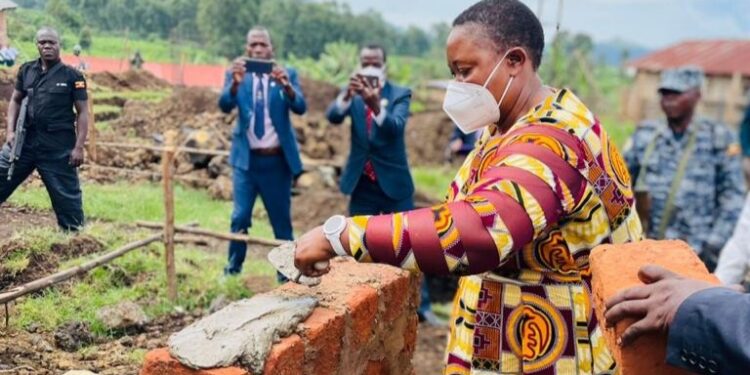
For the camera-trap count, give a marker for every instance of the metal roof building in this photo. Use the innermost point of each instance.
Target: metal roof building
(727, 67)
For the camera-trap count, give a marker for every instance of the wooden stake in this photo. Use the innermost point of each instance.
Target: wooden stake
(92, 131)
(212, 234)
(167, 159)
(77, 270)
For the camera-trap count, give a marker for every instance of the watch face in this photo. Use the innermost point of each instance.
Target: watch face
(333, 224)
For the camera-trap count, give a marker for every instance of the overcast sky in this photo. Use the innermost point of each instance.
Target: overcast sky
(650, 23)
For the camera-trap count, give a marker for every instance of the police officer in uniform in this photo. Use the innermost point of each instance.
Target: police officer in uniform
(55, 133)
(688, 169)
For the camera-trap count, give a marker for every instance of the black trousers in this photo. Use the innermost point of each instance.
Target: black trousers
(58, 176)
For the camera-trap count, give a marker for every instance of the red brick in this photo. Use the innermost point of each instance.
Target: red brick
(615, 268)
(362, 303)
(159, 362)
(410, 334)
(376, 368)
(395, 290)
(287, 357)
(322, 333)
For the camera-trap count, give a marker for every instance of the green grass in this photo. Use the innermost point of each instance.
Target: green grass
(433, 181)
(117, 47)
(126, 202)
(198, 284)
(106, 108)
(137, 276)
(145, 95)
(619, 130)
(137, 356)
(29, 242)
(103, 126)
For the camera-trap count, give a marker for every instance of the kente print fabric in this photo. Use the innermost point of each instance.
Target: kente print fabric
(521, 217)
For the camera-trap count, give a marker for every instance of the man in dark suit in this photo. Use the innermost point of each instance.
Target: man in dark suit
(708, 326)
(264, 156)
(377, 173)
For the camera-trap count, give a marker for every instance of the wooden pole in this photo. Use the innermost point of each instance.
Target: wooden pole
(308, 162)
(153, 175)
(69, 273)
(212, 234)
(167, 159)
(189, 150)
(92, 131)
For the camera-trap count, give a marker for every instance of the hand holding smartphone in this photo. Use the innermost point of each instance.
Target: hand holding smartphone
(372, 81)
(258, 66)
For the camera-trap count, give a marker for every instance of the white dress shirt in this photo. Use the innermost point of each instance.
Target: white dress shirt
(734, 261)
(270, 138)
(343, 106)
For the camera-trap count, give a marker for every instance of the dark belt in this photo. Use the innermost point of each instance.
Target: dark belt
(270, 151)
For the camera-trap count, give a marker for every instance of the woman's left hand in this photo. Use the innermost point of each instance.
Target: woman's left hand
(312, 248)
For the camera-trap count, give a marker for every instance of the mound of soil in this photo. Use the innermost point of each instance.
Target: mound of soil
(44, 263)
(427, 135)
(32, 352)
(131, 80)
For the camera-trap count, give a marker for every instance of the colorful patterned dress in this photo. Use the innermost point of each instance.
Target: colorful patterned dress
(521, 217)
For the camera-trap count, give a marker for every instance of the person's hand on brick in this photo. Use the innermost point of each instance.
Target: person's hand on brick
(312, 249)
(654, 305)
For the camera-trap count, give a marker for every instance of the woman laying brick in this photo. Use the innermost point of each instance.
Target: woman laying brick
(543, 187)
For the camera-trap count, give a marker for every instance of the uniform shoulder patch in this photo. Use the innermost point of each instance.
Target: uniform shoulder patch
(80, 84)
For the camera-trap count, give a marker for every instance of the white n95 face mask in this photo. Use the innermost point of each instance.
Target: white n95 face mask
(472, 107)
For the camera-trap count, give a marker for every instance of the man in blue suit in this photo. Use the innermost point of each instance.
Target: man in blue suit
(708, 326)
(377, 173)
(264, 156)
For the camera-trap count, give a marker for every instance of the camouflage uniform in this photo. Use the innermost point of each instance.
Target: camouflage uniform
(710, 196)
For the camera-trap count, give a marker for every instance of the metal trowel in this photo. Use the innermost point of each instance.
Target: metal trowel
(282, 258)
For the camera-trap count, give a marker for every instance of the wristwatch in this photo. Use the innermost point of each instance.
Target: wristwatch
(332, 230)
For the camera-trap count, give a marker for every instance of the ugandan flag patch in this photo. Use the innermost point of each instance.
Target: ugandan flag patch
(80, 84)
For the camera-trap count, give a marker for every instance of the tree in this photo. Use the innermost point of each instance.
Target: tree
(414, 42)
(85, 38)
(61, 11)
(224, 24)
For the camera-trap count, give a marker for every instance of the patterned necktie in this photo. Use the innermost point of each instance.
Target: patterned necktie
(369, 168)
(260, 110)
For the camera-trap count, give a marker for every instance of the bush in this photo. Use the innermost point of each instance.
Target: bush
(85, 39)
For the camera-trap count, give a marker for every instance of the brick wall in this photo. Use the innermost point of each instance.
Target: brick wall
(365, 324)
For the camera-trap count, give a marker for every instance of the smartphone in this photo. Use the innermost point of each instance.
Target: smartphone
(258, 66)
(372, 81)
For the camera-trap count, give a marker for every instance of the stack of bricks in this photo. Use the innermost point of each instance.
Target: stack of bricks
(615, 268)
(365, 323)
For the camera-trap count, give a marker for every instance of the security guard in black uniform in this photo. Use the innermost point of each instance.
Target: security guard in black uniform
(55, 134)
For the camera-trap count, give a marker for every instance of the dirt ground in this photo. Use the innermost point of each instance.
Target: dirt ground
(431, 342)
(16, 218)
(129, 80)
(194, 114)
(32, 351)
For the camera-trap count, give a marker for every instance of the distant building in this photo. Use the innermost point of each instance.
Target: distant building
(727, 67)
